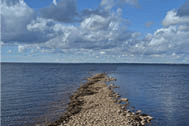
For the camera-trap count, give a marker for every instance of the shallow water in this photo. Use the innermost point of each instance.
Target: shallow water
(33, 93)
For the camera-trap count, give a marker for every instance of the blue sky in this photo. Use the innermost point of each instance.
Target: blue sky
(126, 31)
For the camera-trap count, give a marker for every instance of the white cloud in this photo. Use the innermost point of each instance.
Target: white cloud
(95, 22)
(45, 27)
(102, 32)
(94, 32)
(99, 35)
(54, 2)
(20, 48)
(107, 4)
(172, 18)
(136, 34)
(102, 52)
(40, 24)
(14, 18)
(1, 43)
(94, 27)
(131, 2)
(160, 35)
(63, 11)
(156, 55)
(170, 41)
(184, 28)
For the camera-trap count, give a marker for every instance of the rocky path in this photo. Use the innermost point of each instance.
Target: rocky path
(97, 104)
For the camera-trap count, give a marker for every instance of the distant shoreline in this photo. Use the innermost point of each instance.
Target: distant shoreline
(96, 103)
(94, 63)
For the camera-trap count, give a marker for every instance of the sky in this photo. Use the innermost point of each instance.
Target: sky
(95, 31)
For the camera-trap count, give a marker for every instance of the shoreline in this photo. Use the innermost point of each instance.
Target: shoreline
(96, 103)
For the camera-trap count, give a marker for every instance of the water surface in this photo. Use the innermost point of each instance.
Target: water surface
(34, 93)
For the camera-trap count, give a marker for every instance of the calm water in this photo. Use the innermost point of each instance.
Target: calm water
(32, 93)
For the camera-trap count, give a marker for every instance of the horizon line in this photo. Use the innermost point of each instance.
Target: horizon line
(98, 63)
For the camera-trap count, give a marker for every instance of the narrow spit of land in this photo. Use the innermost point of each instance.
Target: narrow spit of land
(97, 104)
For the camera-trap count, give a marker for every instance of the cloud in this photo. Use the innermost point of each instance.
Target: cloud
(10, 2)
(173, 39)
(183, 10)
(95, 23)
(172, 18)
(20, 24)
(63, 11)
(54, 2)
(100, 32)
(131, 2)
(168, 41)
(95, 32)
(21, 48)
(88, 12)
(44, 27)
(1, 43)
(177, 17)
(109, 4)
(106, 7)
(183, 28)
(15, 16)
(149, 24)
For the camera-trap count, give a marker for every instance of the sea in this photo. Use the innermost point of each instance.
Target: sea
(32, 93)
